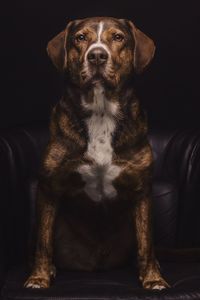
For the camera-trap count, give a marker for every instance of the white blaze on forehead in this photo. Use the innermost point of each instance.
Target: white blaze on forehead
(100, 30)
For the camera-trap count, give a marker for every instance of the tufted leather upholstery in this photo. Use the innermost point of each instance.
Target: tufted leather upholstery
(176, 209)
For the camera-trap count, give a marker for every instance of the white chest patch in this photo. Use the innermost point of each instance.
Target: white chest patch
(101, 126)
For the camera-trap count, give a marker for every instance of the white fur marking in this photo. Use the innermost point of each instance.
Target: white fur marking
(158, 287)
(33, 286)
(100, 30)
(101, 125)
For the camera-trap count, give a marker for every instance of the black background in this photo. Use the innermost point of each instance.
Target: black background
(169, 89)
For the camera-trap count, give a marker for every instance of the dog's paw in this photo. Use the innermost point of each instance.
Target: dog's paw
(156, 285)
(37, 282)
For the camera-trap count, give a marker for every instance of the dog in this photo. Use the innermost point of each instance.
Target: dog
(94, 192)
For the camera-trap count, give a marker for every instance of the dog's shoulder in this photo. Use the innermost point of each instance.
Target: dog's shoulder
(132, 130)
(67, 137)
(66, 124)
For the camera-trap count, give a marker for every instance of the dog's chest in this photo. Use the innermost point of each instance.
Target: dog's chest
(101, 126)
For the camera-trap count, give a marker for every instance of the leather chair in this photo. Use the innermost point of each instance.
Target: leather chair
(176, 220)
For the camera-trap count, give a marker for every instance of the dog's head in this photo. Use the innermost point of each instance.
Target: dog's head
(101, 49)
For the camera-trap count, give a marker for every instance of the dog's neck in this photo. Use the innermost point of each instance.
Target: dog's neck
(99, 98)
(99, 102)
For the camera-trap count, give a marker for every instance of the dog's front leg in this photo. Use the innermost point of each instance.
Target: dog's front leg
(148, 266)
(42, 268)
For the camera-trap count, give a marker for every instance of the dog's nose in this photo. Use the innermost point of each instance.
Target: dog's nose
(97, 56)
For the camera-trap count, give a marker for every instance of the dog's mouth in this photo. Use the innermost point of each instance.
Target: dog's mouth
(94, 78)
(103, 75)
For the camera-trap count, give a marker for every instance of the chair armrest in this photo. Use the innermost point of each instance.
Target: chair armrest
(20, 154)
(177, 155)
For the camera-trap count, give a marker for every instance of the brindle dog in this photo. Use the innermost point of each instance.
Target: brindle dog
(94, 189)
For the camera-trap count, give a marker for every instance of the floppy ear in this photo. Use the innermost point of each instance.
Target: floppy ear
(56, 49)
(144, 49)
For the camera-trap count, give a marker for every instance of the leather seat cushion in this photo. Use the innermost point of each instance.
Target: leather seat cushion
(115, 284)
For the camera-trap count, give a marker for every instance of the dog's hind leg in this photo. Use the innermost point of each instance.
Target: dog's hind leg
(148, 266)
(42, 269)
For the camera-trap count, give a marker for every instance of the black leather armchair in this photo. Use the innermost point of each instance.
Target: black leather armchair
(176, 210)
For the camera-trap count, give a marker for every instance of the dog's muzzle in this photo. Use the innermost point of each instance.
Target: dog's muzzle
(97, 56)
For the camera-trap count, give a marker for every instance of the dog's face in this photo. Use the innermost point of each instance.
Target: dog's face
(101, 49)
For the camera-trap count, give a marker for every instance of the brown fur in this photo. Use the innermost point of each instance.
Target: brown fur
(73, 231)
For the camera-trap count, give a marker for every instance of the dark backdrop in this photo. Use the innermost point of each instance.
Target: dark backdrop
(169, 90)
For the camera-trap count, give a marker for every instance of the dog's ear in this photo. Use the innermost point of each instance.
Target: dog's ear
(144, 49)
(56, 49)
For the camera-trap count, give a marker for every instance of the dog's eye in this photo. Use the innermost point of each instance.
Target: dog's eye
(80, 38)
(118, 37)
